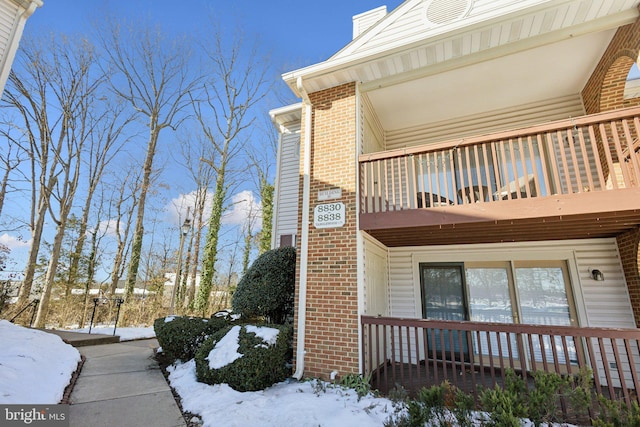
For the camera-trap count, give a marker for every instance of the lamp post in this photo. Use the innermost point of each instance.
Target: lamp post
(184, 230)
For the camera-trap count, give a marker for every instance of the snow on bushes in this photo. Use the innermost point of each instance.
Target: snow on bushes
(246, 357)
(181, 336)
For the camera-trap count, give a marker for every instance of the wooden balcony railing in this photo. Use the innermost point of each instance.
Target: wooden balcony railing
(416, 353)
(589, 153)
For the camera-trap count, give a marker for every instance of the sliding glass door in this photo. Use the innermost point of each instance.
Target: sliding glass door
(528, 292)
(444, 298)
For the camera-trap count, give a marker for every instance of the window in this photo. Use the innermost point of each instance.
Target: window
(528, 292)
(287, 240)
(632, 83)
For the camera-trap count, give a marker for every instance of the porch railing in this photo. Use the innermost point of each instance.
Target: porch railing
(415, 353)
(589, 153)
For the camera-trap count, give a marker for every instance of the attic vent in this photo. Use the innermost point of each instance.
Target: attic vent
(443, 11)
(366, 20)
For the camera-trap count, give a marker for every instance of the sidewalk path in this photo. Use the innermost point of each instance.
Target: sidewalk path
(121, 385)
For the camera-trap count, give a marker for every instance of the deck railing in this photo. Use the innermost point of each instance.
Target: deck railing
(590, 153)
(416, 353)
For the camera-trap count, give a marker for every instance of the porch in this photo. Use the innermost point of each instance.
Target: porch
(416, 353)
(574, 178)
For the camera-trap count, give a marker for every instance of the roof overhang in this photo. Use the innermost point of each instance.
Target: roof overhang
(554, 43)
(283, 117)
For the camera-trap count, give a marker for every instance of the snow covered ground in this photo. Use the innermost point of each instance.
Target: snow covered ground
(125, 334)
(35, 367)
(285, 404)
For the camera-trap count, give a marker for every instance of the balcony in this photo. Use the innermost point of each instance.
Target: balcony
(416, 353)
(577, 178)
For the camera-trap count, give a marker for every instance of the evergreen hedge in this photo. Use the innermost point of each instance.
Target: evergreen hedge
(267, 288)
(259, 364)
(181, 336)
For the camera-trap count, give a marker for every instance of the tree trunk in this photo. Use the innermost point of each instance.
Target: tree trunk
(211, 246)
(266, 196)
(138, 234)
(52, 267)
(91, 269)
(3, 187)
(200, 204)
(32, 259)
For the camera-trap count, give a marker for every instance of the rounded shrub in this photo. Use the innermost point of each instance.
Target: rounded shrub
(267, 288)
(246, 357)
(181, 336)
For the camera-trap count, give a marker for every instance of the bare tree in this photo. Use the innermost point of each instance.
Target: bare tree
(249, 237)
(10, 158)
(237, 84)
(155, 81)
(51, 90)
(75, 85)
(262, 159)
(97, 232)
(122, 207)
(195, 148)
(105, 142)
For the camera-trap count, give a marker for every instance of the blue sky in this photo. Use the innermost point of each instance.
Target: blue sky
(298, 33)
(295, 33)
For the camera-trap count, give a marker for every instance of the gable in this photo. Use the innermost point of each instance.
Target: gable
(417, 20)
(427, 37)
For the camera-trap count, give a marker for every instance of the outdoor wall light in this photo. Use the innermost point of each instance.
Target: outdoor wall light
(596, 274)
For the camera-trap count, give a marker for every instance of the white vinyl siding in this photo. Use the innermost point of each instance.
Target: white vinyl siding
(373, 134)
(286, 215)
(606, 304)
(411, 23)
(8, 17)
(493, 121)
(376, 278)
(599, 304)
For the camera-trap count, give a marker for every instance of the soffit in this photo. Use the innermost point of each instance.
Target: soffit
(398, 49)
(285, 116)
(535, 75)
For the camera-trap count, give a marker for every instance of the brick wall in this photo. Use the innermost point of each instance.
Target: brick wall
(331, 333)
(604, 89)
(603, 92)
(628, 247)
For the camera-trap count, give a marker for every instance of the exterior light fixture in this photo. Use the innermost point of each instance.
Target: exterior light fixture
(596, 274)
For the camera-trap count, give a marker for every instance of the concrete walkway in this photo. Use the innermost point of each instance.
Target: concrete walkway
(121, 385)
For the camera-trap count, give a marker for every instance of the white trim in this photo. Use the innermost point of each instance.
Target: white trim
(578, 295)
(304, 244)
(342, 62)
(17, 28)
(359, 237)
